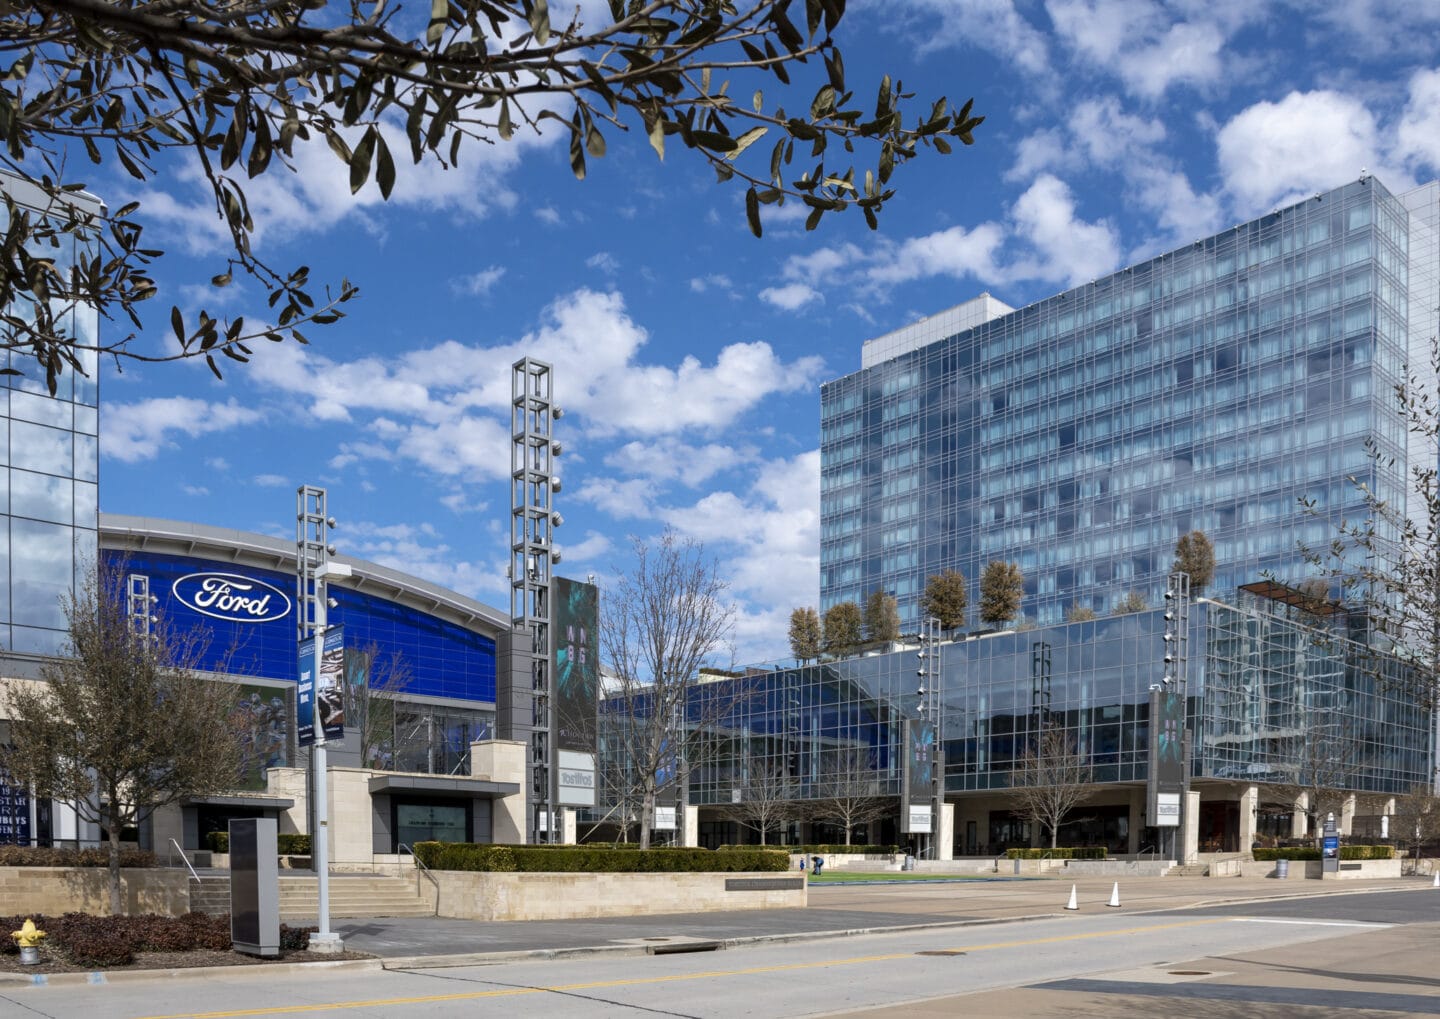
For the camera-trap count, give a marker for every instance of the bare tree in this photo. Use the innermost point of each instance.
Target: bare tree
(849, 791)
(373, 681)
(660, 622)
(1322, 762)
(946, 598)
(768, 800)
(1416, 822)
(1051, 778)
(1385, 564)
(121, 724)
(805, 634)
(242, 87)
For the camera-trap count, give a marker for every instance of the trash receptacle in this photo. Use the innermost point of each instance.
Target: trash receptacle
(909, 863)
(1282, 868)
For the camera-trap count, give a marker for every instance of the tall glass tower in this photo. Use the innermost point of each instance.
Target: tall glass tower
(49, 468)
(1210, 388)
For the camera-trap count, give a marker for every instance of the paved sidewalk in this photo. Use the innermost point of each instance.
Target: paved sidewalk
(834, 911)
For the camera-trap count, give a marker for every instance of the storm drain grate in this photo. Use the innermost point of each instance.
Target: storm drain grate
(942, 951)
(683, 946)
(1190, 973)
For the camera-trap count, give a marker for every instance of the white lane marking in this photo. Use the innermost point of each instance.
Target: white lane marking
(1313, 923)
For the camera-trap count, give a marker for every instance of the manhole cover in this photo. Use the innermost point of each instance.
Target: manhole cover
(943, 951)
(1190, 973)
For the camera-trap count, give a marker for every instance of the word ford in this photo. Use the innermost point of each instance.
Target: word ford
(227, 596)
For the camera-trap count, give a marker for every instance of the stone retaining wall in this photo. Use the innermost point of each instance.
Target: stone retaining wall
(470, 895)
(56, 890)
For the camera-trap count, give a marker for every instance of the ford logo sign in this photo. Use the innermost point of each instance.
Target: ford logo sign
(231, 597)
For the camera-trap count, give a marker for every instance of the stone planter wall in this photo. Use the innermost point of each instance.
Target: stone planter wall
(469, 895)
(57, 890)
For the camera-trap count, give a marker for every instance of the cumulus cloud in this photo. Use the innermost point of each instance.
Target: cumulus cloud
(271, 480)
(1417, 135)
(670, 459)
(139, 431)
(791, 296)
(1144, 43)
(1065, 248)
(1270, 153)
(934, 25)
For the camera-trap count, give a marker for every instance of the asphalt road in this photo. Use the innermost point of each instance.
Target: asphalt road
(1101, 963)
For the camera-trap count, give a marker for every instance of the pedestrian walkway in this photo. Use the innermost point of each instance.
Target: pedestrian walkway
(834, 911)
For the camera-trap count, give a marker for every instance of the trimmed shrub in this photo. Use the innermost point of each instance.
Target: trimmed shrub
(286, 843)
(1300, 853)
(294, 939)
(41, 856)
(586, 859)
(1059, 853)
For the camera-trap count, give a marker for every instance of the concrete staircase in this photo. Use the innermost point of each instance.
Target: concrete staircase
(351, 895)
(1189, 870)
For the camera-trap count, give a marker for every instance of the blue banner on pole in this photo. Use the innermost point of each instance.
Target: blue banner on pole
(321, 701)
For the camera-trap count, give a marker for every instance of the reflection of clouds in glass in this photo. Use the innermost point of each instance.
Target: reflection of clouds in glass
(87, 458)
(42, 566)
(42, 497)
(40, 409)
(38, 448)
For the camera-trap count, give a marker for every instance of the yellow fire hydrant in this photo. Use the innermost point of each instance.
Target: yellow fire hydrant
(28, 938)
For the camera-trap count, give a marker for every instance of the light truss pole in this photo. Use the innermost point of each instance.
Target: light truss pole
(312, 570)
(533, 484)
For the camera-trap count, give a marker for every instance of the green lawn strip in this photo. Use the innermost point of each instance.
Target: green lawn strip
(829, 878)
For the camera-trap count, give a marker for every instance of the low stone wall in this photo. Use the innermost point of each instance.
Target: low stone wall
(470, 895)
(1350, 870)
(1118, 868)
(56, 890)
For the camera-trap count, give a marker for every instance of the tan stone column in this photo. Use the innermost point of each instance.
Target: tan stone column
(1249, 808)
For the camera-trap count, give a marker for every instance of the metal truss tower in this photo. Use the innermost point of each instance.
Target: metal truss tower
(534, 483)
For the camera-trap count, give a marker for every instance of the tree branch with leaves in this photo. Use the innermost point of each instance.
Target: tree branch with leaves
(239, 88)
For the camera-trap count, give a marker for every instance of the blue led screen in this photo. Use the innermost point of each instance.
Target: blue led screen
(445, 660)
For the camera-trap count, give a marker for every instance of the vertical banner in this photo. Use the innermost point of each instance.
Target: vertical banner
(321, 702)
(1166, 786)
(919, 758)
(14, 813)
(575, 609)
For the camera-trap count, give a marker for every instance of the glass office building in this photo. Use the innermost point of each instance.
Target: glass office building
(49, 466)
(1276, 704)
(1209, 388)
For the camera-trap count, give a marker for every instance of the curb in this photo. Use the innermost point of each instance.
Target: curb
(100, 978)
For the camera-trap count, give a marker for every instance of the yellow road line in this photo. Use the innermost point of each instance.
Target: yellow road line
(671, 978)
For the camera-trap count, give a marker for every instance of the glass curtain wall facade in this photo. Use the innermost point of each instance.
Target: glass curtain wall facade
(49, 468)
(1209, 388)
(1263, 691)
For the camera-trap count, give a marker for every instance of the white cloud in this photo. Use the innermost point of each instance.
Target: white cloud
(604, 261)
(712, 281)
(139, 431)
(669, 459)
(1417, 135)
(623, 500)
(954, 252)
(271, 480)
(941, 24)
(548, 214)
(1066, 249)
(1273, 152)
(1143, 44)
(194, 489)
(791, 296)
(478, 284)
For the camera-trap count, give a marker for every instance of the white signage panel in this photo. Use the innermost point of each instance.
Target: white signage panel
(1167, 810)
(918, 820)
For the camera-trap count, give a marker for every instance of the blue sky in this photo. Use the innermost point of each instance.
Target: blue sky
(688, 354)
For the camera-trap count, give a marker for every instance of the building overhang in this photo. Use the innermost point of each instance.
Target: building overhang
(456, 787)
(256, 802)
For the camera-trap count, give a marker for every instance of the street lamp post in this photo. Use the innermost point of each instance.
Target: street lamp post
(932, 706)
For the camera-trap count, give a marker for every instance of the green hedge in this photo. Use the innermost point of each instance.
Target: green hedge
(1311, 853)
(834, 848)
(1059, 853)
(288, 843)
(586, 859)
(44, 856)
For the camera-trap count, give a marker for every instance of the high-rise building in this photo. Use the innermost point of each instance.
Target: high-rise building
(49, 464)
(1211, 388)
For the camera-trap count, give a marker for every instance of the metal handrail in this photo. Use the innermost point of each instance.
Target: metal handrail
(185, 860)
(420, 866)
(1152, 849)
